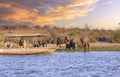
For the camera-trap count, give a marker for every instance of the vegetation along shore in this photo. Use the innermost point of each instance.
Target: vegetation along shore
(100, 39)
(94, 47)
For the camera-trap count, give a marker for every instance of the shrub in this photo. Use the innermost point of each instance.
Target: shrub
(99, 38)
(112, 40)
(93, 39)
(117, 37)
(72, 34)
(102, 39)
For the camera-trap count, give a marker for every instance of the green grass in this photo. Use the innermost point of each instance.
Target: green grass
(102, 48)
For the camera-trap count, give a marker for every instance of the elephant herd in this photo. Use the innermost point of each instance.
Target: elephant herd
(83, 42)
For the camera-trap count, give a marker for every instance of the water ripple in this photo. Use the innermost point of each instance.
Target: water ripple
(62, 64)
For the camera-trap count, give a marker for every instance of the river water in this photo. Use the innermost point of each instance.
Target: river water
(62, 64)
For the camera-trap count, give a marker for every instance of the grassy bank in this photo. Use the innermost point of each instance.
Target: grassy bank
(107, 48)
(94, 47)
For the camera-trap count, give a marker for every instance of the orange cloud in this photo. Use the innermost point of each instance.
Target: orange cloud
(82, 3)
(24, 15)
(45, 15)
(72, 10)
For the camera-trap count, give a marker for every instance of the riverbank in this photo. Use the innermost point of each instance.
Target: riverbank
(98, 46)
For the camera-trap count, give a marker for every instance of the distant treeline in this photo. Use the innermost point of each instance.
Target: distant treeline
(53, 32)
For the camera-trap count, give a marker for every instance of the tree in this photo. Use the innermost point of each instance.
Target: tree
(119, 23)
(71, 34)
(118, 28)
(87, 27)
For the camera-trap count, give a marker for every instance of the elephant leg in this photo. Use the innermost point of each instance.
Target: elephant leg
(60, 45)
(66, 46)
(88, 47)
(81, 46)
(57, 44)
(43, 45)
(69, 46)
(84, 48)
(73, 46)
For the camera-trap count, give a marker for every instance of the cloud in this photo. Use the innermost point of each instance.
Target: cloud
(43, 11)
(109, 2)
(105, 2)
(4, 5)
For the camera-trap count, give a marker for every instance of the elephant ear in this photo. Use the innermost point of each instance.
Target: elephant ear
(66, 39)
(81, 40)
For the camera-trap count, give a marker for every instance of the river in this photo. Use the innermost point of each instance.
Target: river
(62, 64)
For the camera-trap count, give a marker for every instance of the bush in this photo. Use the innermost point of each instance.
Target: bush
(72, 34)
(117, 37)
(93, 39)
(112, 40)
(102, 39)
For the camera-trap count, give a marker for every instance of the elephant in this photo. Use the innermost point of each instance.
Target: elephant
(43, 43)
(85, 43)
(40, 43)
(61, 40)
(79, 44)
(36, 45)
(70, 44)
(67, 45)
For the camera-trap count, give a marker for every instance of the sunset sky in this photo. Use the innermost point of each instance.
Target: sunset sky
(65, 13)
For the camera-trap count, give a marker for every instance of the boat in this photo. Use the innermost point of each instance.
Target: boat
(26, 51)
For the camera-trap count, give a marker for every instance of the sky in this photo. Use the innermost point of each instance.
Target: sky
(97, 14)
